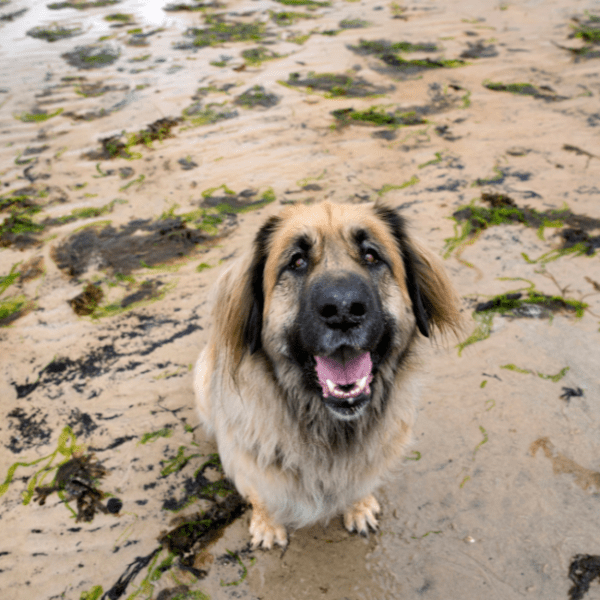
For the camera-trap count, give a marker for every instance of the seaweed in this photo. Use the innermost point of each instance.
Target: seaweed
(87, 301)
(198, 6)
(503, 210)
(119, 18)
(257, 96)
(411, 67)
(77, 480)
(527, 303)
(377, 116)
(93, 56)
(543, 92)
(353, 24)
(13, 15)
(309, 3)
(18, 229)
(198, 114)
(115, 147)
(379, 47)
(256, 56)
(54, 32)
(284, 18)
(336, 85)
(38, 115)
(220, 31)
(587, 28)
(81, 4)
(584, 568)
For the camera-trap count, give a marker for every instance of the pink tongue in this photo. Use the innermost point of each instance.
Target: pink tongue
(355, 369)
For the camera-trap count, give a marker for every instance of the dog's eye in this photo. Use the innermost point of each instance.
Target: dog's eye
(370, 257)
(298, 262)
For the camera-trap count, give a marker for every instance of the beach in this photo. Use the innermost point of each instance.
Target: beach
(142, 146)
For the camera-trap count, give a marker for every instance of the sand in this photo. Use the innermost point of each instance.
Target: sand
(499, 493)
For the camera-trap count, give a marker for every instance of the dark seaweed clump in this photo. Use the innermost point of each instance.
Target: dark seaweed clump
(257, 96)
(584, 568)
(117, 146)
(87, 302)
(587, 28)
(379, 47)
(544, 92)
(389, 53)
(198, 6)
(377, 117)
(53, 33)
(220, 31)
(530, 304)
(77, 477)
(82, 5)
(504, 210)
(93, 56)
(337, 85)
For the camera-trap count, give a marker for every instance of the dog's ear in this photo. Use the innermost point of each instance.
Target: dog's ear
(433, 298)
(239, 301)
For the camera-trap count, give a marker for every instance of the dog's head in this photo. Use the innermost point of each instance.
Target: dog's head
(331, 295)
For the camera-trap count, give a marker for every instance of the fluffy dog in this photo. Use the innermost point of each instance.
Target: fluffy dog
(307, 381)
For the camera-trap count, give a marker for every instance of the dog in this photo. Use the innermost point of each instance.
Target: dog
(308, 379)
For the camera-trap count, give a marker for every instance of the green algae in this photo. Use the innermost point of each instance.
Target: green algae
(335, 85)
(66, 447)
(309, 3)
(554, 378)
(377, 116)
(383, 47)
(54, 32)
(118, 18)
(481, 332)
(257, 96)
(471, 220)
(388, 187)
(284, 18)
(165, 432)
(38, 116)
(178, 462)
(220, 31)
(587, 28)
(543, 92)
(256, 56)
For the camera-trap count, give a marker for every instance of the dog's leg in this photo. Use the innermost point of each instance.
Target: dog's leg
(361, 515)
(263, 528)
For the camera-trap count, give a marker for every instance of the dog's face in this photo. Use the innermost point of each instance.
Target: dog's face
(336, 297)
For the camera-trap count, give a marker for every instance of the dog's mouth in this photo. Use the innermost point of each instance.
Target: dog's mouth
(345, 384)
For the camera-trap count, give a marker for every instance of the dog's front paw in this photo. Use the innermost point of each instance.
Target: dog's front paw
(361, 515)
(265, 531)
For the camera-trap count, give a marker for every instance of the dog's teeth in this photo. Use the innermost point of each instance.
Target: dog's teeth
(361, 383)
(330, 385)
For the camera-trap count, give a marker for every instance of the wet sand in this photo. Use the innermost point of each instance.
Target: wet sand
(136, 160)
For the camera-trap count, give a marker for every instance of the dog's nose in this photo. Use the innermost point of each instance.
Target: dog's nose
(343, 303)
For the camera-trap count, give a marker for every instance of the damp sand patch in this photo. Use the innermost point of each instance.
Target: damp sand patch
(147, 243)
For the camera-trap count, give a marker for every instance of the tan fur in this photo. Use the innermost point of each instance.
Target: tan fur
(291, 474)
